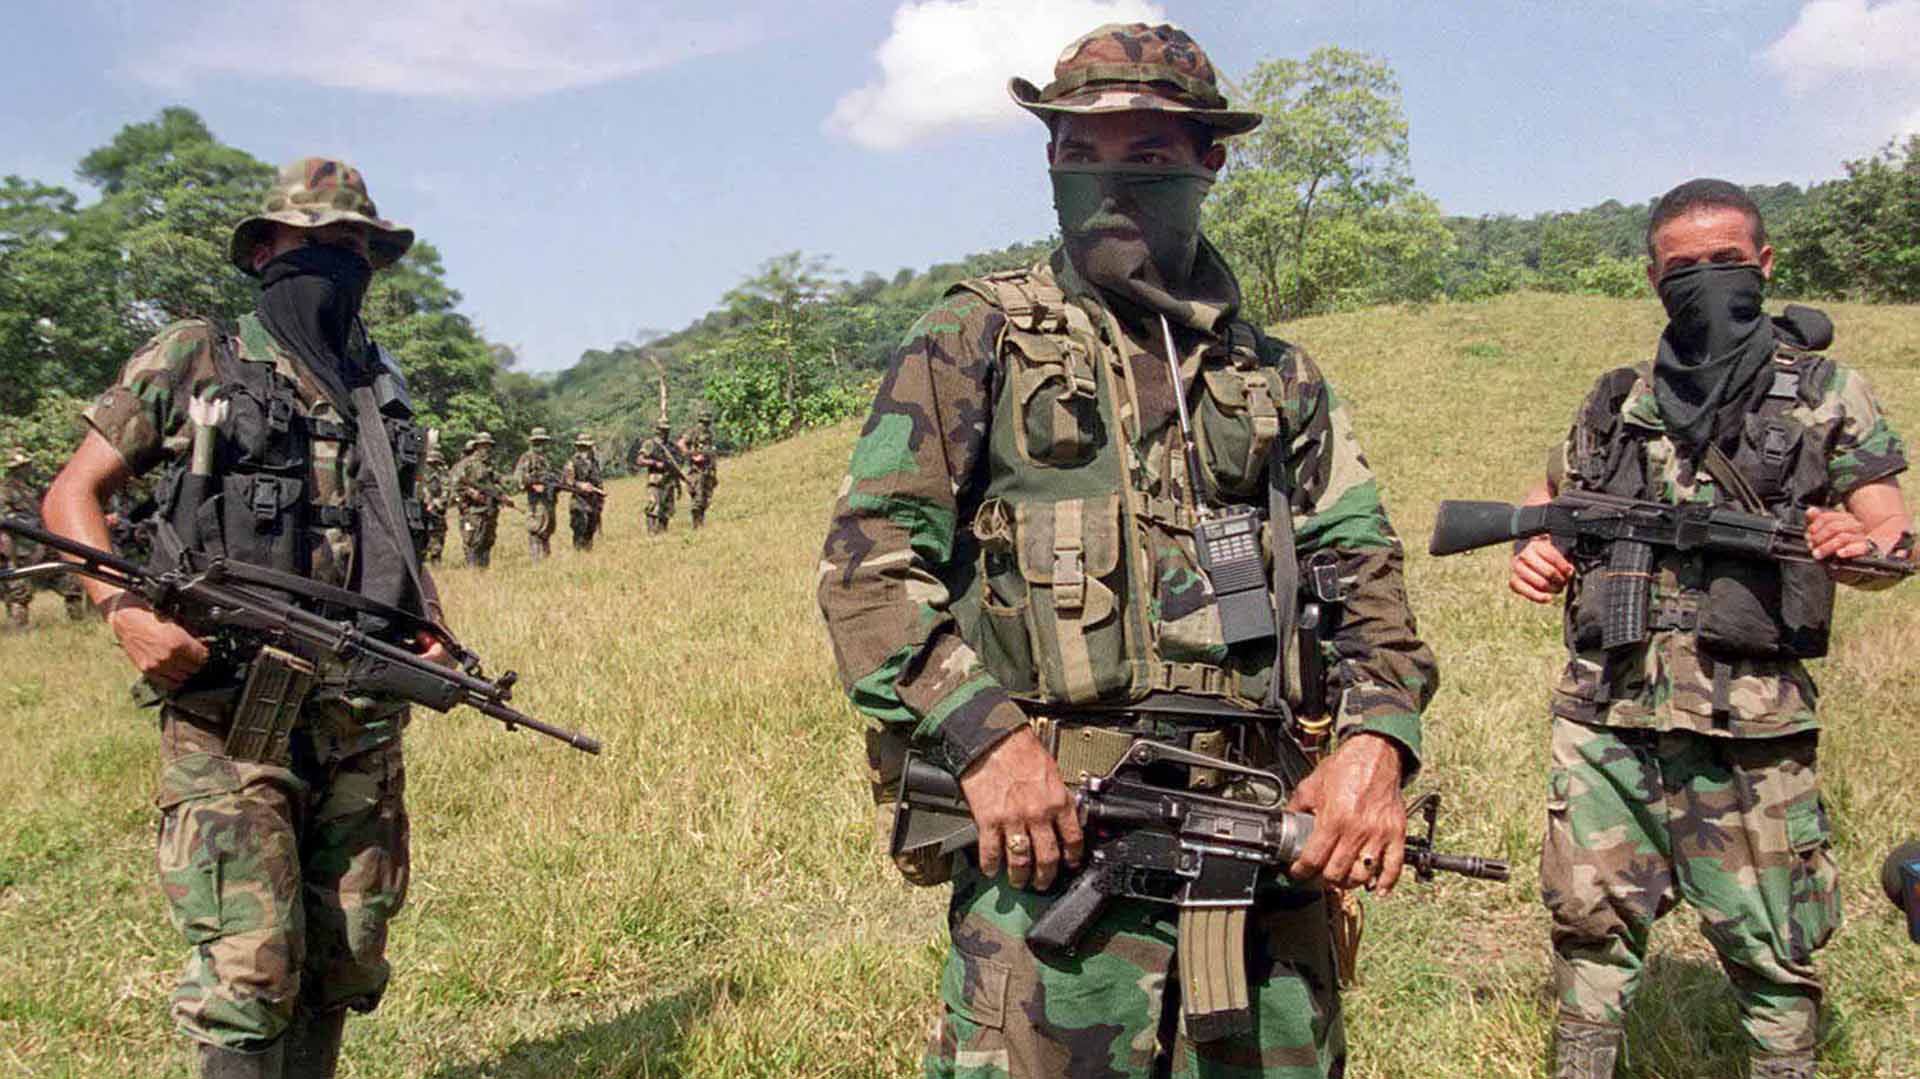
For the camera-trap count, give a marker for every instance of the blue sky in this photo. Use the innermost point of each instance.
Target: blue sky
(592, 167)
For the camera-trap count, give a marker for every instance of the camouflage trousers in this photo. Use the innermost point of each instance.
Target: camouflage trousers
(584, 522)
(477, 532)
(660, 497)
(1114, 1009)
(540, 516)
(436, 538)
(281, 879)
(1638, 820)
(700, 495)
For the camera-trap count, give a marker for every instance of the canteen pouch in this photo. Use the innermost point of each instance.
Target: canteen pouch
(1053, 385)
(1069, 556)
(277, 685)
(1766, 610)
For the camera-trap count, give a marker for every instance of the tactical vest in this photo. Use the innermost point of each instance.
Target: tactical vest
(255, 504)
(1736, 607)
(1078, 581)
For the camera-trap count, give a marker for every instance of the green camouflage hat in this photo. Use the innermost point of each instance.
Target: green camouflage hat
(317, 191)
(1134, 67)
(538, 434)
(484, 438)
(663, 426)
(17, 458)
(583, 439)
(434, 458)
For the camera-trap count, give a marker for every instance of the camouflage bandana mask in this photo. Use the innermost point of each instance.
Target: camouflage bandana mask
(1133, 230)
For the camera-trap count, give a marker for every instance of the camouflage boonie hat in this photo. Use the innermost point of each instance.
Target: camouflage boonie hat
(17, 457)
(434, 458)
(482, 439)
(317, 191)
(583, 440)
(1133, 67)
(538, 434)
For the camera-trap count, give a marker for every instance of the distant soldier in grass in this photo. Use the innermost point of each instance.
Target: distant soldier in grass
(479, 492)
(282, 859)
(1684, 764)
(703, 468)
(583, 512)
(20, 497)
(657, 458)
(1015, 542)
(436, 495)
(534, 475)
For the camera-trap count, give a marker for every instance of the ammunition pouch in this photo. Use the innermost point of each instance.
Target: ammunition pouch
(268, 708)
(1766, 610)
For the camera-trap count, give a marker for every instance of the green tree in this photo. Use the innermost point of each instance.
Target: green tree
(1317, 207)
(1859, 237)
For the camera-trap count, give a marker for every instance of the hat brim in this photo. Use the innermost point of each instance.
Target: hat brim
(386, 241)
(1111, 98)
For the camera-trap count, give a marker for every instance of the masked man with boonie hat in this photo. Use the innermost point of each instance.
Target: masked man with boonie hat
(1011, 574)
(480, 492)
(535, 475)
(582, 472)
(284, 858)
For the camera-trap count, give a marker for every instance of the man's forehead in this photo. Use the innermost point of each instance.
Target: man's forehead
(1705, 223)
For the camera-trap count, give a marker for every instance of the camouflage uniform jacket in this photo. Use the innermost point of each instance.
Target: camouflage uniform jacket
(144, 417)
(477, 485)
(658, 449)
(20, 498)
(898, 577)
(700, 451)
(435, 490)
(1666, 683)
(533, 467)
(582, 469)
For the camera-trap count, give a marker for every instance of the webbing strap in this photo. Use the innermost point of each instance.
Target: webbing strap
(1070, 597)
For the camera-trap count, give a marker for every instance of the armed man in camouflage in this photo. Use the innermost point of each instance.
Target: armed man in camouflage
(658, 459)
(1012, 562)
(436, 497)
(1684, 763)
(534, 474)
(703, 468)
(583, 470)
(479, 492)
(282, 865)
(19, 497)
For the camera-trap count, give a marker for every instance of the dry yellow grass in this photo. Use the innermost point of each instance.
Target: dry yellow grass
(705, 900)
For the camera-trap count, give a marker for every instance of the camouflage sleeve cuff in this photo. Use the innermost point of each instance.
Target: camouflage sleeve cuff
(122, 421)
(1400, 728)
(972, 720)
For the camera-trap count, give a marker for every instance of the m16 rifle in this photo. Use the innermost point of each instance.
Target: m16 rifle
(235, 604)
(581, 490)
(1206, 854)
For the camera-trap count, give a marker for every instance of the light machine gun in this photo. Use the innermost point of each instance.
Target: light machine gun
(1205, 854)
(233, 602)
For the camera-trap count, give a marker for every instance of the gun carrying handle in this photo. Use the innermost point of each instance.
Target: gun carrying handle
(1068, 918)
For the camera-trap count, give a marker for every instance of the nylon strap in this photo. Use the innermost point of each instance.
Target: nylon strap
(1283, 689)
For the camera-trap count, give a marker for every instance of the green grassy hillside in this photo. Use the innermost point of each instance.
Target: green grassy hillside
(706, 899)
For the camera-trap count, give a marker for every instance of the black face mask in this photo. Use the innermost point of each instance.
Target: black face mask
(1717, 342)
(309, 299)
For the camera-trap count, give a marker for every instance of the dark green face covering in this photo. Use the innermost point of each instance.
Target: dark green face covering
(1131, 228)
(1717, 342)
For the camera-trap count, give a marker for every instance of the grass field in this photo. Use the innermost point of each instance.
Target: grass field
(706, 898)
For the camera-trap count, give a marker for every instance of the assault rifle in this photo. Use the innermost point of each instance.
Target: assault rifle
(581, 490)
(234, 603)
(1205, 854)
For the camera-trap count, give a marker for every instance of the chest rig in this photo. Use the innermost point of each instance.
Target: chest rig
(1080, 581)
(247, 492)
(1737, 608)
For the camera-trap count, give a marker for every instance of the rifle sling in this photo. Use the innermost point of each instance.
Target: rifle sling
(379, 469)
(1284, 687)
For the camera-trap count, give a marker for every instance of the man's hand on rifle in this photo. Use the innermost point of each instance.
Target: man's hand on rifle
(162, 651)
(1539, 571)
(1359, 821)
(1024, 813)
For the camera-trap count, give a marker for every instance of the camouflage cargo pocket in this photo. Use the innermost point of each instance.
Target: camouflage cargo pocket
(224, 853)
(1814, 912)
(974, 988)
(1237, 421)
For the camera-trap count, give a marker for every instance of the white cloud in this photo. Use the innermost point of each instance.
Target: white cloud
(439, 48)
(1849, 37)
(946, 63)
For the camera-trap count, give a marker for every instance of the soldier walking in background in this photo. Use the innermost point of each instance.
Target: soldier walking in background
(703, 467)
(20, 497)
(479, 492)
(436, 494)
(534, 474)
(283, 858)
(1684, 761)
(582, 470)
(1012, 571)
(657, 458)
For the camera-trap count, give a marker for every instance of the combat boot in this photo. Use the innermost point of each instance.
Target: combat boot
(699, 518)
(1794, 1065)
(221, 1063)
(1584, 1050)
(313, 1045)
